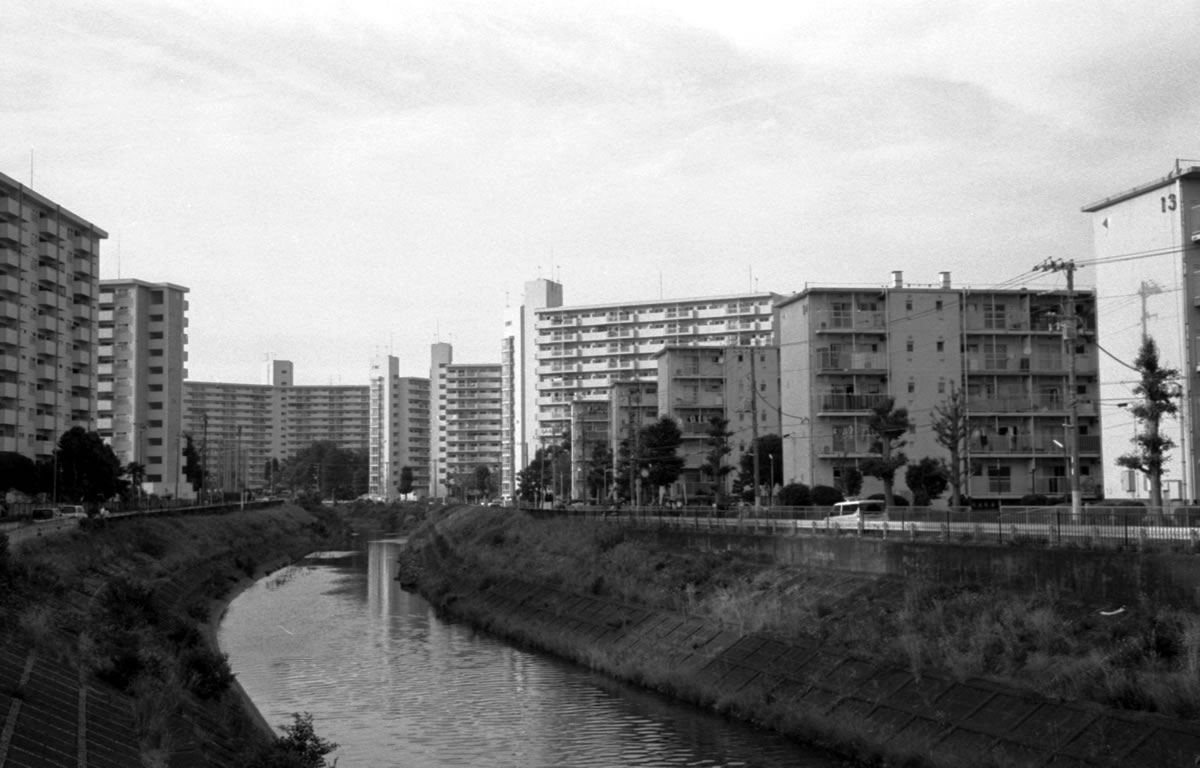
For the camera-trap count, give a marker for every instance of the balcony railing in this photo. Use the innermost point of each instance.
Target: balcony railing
(838, 402)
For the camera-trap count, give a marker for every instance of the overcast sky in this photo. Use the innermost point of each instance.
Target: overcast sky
(332, 180)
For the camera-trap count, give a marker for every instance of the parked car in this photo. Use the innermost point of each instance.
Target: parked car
(71, 510)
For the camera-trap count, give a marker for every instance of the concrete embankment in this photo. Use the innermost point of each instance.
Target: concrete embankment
(813, 693)
(57, 714)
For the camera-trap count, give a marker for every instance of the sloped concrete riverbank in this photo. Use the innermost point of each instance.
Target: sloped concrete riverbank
(869, 711)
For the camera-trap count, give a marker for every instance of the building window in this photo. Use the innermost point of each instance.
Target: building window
(912, 386)
(941, 346)
(909, 345)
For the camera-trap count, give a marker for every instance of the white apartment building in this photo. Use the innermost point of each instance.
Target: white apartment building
(467, 431)
(842, 350)
(518, 379)
(1146, 271)
(49, 269)
(399, 429)
(240, 427)
(142, 360)
(582, 351)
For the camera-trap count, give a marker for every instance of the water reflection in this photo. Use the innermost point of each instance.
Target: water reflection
(395, 685)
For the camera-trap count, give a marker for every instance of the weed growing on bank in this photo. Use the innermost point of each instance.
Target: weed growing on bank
(1140, 657)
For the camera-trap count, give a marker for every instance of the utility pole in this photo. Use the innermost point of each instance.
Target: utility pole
(1146, 290)
(1070, 332)
(754, 427)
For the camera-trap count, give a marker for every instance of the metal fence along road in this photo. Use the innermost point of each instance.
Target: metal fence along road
(1094, 527)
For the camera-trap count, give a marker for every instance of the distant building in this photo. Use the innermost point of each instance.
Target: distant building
(49, 268)
(142, 366)
(580, 352)
(467, 427)
(399, 431)
(843, 350)
(240, 427)
(1147, 275)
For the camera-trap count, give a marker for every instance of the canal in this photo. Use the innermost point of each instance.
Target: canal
(395, 685)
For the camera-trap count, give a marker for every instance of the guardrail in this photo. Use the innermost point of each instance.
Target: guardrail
(1094, 527)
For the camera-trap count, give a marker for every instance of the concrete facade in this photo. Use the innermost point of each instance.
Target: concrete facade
(399, 429)
(844, 349)
(1147, 277)
(49, 271)
(240, 427)
(467, 430)
(142, 366)
(739, 384)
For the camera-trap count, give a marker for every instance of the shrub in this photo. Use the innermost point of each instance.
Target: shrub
(825, 496)
(299, 747)
(205, 672)
(795, 495)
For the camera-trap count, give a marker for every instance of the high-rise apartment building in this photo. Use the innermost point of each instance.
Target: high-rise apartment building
(1147, 276)
(49, 270)
(580, 352)
(399, 431)
(842, 350)
(466, 437)
(518, 372)
(737, 384)
(142, 337)
(240, 427)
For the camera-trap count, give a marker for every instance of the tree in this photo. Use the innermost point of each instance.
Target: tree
(483, 483)
(324, 468)
(405, 486)
(658, 445)
(714, 466)
(850, 480)
(600, 469)
(87, 469)
(770, 465)
(535, 480)
(136, 472)
(888, 423)
(193, 466)
(950, 429)
(927, 479)
(1159, 390)
(17, 473)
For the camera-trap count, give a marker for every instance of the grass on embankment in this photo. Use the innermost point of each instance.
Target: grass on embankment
(89, 598)
(1142, 658)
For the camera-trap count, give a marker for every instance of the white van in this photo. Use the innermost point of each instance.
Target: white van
(850, 511)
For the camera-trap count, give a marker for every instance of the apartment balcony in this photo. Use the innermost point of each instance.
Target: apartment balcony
(84, 266)
(9, 310)
(10, 337)
(46, 348)
(837, 448)
(827, 320)
(81, 403)
(9, 390)
(10, 284)
(9, 257)
(48, 226)
(829, 361)
(834, 403)
(10, 233)
(1026, 445)
(44, 423)
(10, 207)
(8, 417)
(8, 362)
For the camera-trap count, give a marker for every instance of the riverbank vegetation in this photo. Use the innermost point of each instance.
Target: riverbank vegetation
(128, 601)
(1138, 657)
